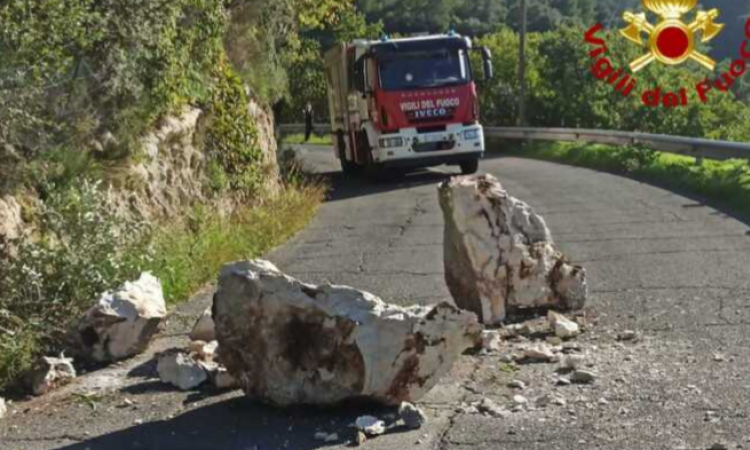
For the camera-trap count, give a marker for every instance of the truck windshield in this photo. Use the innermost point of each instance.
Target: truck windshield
(418, 70)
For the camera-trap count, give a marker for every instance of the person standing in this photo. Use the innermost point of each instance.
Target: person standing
(308, 121)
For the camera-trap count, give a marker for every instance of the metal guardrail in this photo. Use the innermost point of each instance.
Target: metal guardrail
(698, 148)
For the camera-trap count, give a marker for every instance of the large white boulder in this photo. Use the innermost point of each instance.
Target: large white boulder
(499, 254)
(287, 342)
(3, 408)
(122, 323)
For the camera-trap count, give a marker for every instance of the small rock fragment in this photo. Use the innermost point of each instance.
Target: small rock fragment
(572, 362)
(181, 371)
(546, 400)
(517, 384)
(583, 377)
(518, 329)
(490, 408)
(361, 438)
(491, 340)
(370, 425)
(564, 328)
(539, 353)
(3, 408)
(203, 351)
(562, 382)
(413, 417)
(50, 373)
(204, 329)
(627, 335)
(520, 400)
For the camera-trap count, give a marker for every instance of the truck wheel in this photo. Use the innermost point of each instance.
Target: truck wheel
(469, 167)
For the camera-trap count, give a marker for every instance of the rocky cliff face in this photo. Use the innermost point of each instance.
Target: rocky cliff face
(169, 175)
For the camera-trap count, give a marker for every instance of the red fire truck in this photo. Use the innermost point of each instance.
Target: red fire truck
(406, 103)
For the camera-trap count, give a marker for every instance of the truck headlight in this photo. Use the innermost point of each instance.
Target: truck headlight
(472, 135)
(391, 142)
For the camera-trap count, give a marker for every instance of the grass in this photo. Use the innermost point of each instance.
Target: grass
(315, 139)
(724, 183)
(192, 254)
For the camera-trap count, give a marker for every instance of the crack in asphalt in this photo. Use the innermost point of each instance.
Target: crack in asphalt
(443, 441)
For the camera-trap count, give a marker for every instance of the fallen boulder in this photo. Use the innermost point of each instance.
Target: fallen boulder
(49, 374)
(122, 323)
(181, 371)
(287, 342)
(499, 254)
(203, 330)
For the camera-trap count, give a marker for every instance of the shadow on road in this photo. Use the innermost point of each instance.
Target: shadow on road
(343, 188)
(237, 424)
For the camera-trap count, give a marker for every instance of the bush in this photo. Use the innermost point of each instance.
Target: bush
(232, 137)
(83, 247)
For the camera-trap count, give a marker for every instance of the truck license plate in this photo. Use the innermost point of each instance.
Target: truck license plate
(433, 138)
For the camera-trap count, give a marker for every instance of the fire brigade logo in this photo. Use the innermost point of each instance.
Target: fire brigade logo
(672, 41)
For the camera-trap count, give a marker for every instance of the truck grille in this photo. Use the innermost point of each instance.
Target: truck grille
(435, 129)
(434, 146)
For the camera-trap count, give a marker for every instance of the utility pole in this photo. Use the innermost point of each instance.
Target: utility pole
(522, 67)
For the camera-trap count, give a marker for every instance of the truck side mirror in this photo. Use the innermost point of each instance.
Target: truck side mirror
(489, 69)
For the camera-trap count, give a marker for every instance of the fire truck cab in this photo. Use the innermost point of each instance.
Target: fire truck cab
(406, 103)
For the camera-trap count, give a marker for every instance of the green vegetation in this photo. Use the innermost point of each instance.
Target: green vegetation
(87, 248)
(725, 183)
(314, 139)
(562, 90)
(481, 17)
(192, 254)
(81, 81)
(564, 93)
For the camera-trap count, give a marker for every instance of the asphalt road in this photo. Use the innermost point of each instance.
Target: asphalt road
(672, 268)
